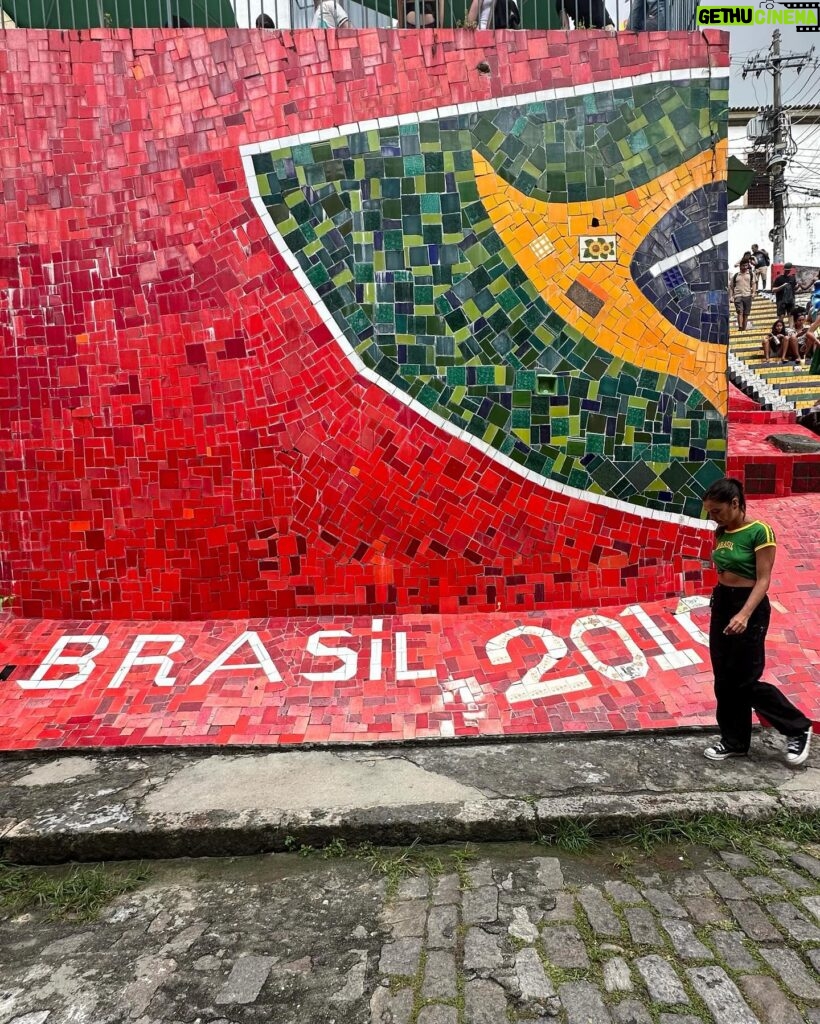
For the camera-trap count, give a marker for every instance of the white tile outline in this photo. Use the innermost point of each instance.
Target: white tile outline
(686, 254)
(247, 152)
(478, 106)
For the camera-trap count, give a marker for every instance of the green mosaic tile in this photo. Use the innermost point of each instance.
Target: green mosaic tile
(388, 227)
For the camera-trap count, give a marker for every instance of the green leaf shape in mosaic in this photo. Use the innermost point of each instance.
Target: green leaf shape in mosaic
(536, 337)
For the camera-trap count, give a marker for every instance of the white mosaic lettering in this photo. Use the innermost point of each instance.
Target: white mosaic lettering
(683, 613)
(671, 657)
(376, 648)
(531, 686)
(636, 669)
(135, 657)
(263, 660)
(348, 657)
(402, 671)
(470, 693)
(84, 663)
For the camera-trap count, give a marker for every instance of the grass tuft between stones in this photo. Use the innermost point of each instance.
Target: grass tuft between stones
(78, 894)
(713, 830)
(393, 864)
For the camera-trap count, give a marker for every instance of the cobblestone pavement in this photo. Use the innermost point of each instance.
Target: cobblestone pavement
(681, 936)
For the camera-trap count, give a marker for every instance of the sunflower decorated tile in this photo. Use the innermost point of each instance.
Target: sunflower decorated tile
(598, 249)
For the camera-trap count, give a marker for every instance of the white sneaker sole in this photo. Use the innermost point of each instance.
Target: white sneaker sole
(798, 759)
(722, 757)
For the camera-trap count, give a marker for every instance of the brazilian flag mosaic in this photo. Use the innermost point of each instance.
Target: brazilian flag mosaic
(548, 277)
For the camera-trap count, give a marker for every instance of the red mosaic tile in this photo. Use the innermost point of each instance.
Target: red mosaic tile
(364, 678)
(766, 470)
(180, 437)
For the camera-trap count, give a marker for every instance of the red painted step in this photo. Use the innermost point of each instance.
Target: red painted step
(765, 469)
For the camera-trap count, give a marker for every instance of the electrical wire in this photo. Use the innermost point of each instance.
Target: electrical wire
(808, 154)
(809, 175)
(794, 100)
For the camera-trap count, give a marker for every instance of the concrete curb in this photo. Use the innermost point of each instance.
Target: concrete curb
(219, 835)
(172, 805)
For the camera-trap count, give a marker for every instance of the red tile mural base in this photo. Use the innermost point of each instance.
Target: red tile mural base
(181, 436)
(364, 679)
(765, 469)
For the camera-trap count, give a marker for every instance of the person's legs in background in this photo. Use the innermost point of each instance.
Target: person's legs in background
(788, 349)
(760, 273)
(743, 305)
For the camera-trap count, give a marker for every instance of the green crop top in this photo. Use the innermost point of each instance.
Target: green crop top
(735, 549)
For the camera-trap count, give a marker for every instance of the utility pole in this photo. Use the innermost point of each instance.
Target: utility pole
(776, 141)
(778, 169)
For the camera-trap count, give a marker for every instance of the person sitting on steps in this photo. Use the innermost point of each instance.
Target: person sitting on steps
(776, 341)
(804, 340)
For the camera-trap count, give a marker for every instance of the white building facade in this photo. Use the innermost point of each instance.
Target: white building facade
(751, 217)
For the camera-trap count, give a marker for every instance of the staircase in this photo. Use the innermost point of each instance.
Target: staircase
(774, 385)
(774, 396)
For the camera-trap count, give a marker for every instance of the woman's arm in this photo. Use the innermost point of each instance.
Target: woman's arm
(764, 561)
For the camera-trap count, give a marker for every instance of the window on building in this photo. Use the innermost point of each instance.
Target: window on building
(760, 190)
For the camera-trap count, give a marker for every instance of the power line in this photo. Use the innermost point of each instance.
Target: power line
(794, 100)
(778, 148)
(810, 134)
(811, 169)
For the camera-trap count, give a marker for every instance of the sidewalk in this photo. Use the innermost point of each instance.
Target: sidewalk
(681, 935)
(164, 804)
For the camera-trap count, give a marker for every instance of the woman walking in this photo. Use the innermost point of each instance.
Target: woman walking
(744, 556)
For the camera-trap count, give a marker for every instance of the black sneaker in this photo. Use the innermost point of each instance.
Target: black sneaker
(719, 752)
(797, 747)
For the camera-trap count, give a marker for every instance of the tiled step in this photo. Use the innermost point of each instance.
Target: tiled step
(766, 395)
(764, 468)
(796, 385)
(758, 415)
(743, 409)
(764, 381)
(789, 372)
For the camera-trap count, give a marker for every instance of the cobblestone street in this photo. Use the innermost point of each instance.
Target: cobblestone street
(614, 936)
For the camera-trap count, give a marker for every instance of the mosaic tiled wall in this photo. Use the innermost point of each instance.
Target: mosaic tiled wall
(365, 321)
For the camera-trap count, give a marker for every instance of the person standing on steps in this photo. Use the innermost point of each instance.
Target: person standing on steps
(783, 289)
(760, 261)
(744, 556)
(742, 289)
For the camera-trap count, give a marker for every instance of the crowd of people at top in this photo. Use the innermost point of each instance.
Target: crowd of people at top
(793, 336)
(644, 15)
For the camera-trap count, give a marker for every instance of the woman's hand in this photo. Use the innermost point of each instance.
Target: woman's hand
(737, 625)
